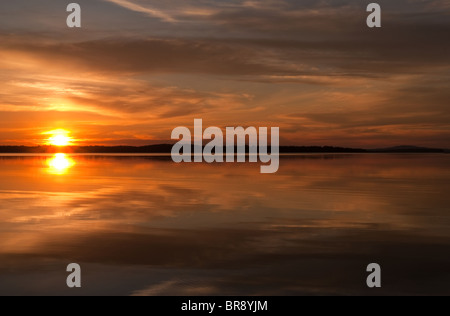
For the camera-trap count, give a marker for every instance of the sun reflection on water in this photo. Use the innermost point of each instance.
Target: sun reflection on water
(59, 164)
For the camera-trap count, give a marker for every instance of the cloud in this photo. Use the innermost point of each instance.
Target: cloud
(143, 9)
(310, 66)
(354, 52)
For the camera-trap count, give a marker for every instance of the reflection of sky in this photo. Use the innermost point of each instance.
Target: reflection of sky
(205, 227)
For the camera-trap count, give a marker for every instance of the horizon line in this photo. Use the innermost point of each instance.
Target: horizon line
(165, 148)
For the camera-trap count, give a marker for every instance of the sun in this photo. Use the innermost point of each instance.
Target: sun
(59, 138)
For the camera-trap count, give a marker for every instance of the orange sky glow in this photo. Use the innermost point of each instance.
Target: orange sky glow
(138, 69)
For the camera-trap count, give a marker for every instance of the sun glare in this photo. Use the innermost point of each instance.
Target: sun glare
(59, 137)
(60, 164)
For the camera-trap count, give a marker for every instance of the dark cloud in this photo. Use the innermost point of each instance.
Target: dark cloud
(396, 49)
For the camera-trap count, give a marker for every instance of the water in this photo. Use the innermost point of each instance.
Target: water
(146, 226)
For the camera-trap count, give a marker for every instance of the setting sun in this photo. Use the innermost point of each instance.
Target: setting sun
(59, 137)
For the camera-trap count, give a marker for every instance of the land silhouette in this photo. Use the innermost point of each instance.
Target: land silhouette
(166, 149)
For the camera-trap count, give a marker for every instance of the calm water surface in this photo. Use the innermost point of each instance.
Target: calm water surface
(147, 226)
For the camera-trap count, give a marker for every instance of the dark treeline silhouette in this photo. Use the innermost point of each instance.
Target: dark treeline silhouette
(166, 149)
(87, 149)
(409, 149)
(318, 149)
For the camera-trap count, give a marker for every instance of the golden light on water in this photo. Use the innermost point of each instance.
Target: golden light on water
(60, 164)
(59, 137)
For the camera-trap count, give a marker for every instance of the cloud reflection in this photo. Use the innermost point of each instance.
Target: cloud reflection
(199, 229)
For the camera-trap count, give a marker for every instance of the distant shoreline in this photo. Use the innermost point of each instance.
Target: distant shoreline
(166, 149)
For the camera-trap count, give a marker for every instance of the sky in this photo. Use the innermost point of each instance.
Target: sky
(137, 69)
